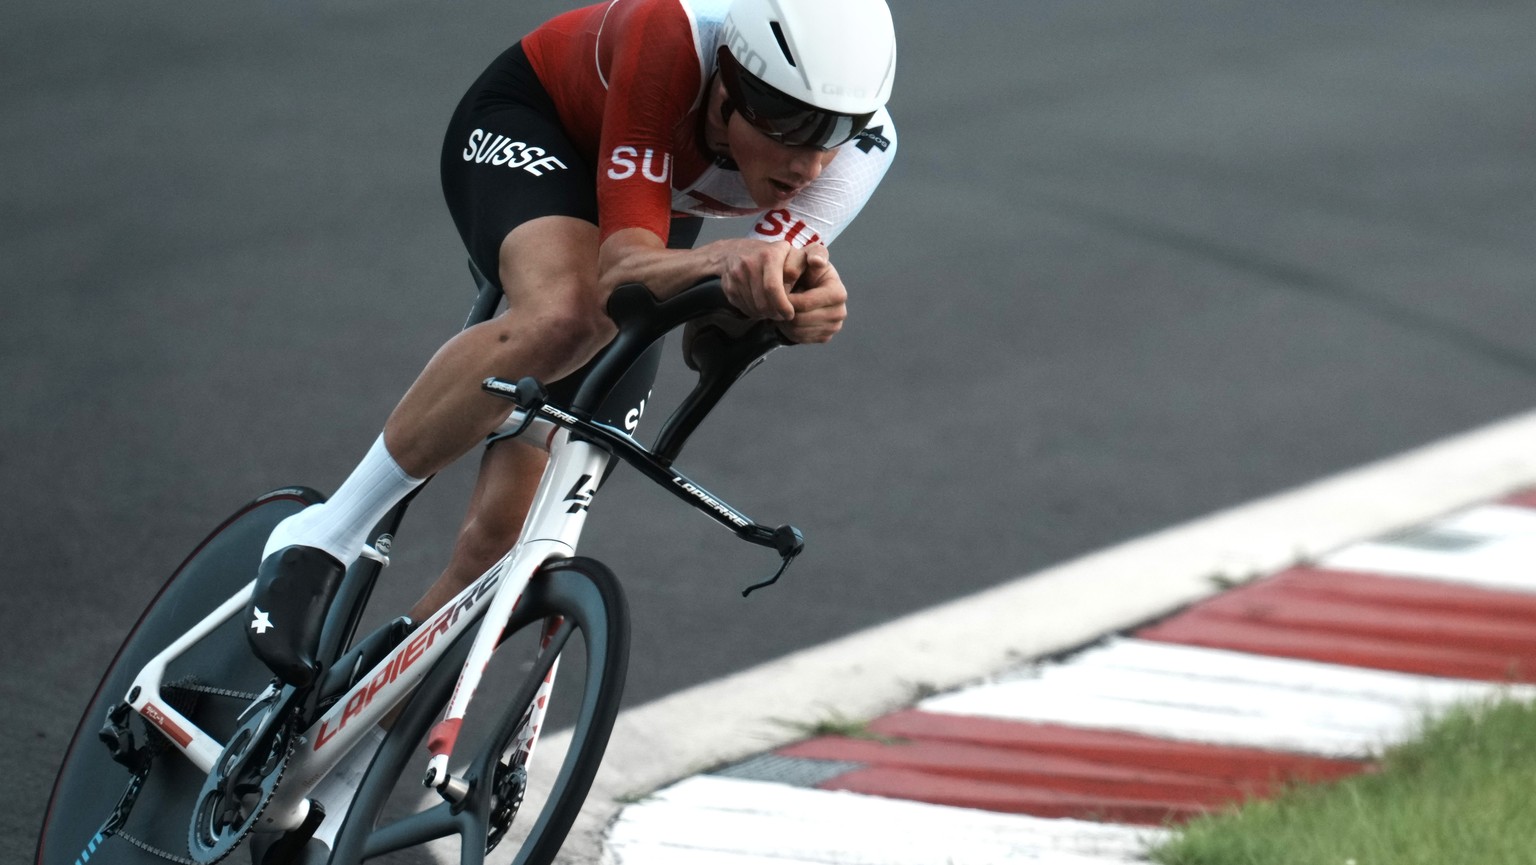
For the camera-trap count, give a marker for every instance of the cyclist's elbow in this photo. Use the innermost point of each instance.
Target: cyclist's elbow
(632, 255)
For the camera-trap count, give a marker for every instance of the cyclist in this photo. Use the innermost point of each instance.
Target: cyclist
(583, 158)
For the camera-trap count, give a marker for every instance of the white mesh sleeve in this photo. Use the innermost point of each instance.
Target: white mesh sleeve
(827, 206)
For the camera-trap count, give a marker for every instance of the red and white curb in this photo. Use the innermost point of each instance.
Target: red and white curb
(1305, 674)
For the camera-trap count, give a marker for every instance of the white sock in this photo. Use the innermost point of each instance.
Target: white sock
(335, 791)
(340, 526)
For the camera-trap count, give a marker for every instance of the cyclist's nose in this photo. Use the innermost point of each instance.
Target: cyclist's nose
(805, 163)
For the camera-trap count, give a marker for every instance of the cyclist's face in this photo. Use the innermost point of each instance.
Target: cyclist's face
(773, 172)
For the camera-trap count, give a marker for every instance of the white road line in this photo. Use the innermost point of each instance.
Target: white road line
(707, 816)
(1407, 690)
(1492, 546)
(1173, 691)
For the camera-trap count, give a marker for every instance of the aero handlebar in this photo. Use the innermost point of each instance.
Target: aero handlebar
(642, 319)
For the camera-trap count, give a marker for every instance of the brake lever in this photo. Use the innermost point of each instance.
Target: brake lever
(766, 583)
(789, 543)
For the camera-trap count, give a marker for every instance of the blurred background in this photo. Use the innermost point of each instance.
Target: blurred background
(1134, 263)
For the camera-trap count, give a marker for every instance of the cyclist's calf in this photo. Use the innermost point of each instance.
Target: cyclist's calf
(509, 476)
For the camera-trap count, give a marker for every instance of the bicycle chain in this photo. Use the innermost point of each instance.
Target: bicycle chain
(186, 705)
(113, 828)
(155, 851)
(159, 744)
(197, 687)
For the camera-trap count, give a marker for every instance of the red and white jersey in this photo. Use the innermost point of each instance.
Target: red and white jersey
(628, 80)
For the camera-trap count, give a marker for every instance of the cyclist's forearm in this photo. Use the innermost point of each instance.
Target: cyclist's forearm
(637, 255)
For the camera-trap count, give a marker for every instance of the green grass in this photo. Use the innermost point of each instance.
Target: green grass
(1464, 792)
(833, 723)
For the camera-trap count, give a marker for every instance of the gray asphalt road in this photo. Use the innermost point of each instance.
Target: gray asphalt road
(1135, 262)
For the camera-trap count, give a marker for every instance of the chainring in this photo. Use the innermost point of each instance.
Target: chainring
(242, 783)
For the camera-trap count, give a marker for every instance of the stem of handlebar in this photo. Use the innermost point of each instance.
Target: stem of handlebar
(642, 319)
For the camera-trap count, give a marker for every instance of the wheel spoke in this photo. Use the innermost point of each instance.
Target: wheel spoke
(472, 826)
(429, 825)
(485, 762)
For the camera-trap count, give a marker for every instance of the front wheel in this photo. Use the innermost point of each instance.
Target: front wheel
(520, 807)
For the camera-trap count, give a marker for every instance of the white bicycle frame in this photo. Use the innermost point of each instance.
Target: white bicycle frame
(551, 531)
(576, 467)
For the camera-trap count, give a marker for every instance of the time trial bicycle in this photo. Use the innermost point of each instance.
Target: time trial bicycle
(191, 751)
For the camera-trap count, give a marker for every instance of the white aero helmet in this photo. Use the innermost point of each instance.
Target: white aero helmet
(808, 72)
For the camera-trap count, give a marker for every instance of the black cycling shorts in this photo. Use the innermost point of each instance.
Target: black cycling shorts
(507, 160)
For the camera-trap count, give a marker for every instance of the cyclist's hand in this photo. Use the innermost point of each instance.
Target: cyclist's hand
(756, 275)
(820, 300)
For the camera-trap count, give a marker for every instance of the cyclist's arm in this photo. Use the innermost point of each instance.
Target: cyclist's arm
(754, 274)
(819, 300)
(759, 276)
(816, 217)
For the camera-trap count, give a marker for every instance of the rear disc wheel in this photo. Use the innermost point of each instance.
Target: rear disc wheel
(210, 684)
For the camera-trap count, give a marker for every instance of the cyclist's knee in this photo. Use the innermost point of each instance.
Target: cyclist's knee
(583, 321)
(569, 326)
(548, 269)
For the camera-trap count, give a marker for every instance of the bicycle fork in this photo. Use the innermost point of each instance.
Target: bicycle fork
(552, 529)
(444, 734)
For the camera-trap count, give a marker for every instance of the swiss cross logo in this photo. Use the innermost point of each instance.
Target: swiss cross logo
(782, 225)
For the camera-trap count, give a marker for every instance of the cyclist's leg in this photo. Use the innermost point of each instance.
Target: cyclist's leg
(545, 220)
(555, 323)
(509, 471)
(509, 474)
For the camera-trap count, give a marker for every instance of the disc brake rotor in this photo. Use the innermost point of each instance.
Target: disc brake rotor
(508, 786)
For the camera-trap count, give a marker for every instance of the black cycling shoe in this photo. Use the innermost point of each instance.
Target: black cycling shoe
(294, 590)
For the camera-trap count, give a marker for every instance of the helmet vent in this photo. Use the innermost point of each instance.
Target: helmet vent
(778, 33)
